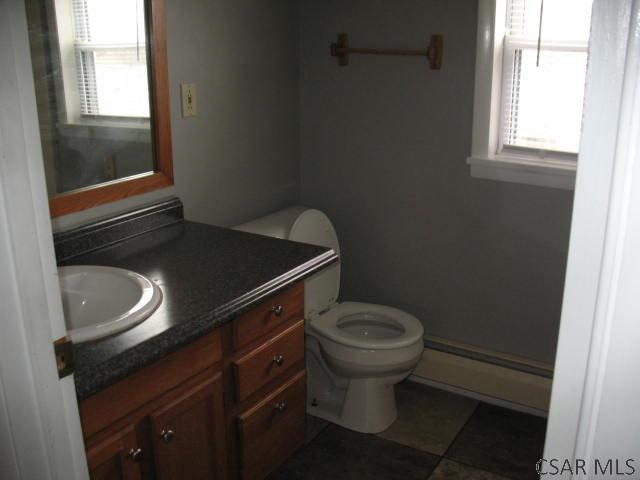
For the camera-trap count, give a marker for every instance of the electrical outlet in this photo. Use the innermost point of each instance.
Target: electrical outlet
(189, 106)
(109, 167)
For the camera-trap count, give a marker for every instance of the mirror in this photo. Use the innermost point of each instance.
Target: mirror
(100, 75)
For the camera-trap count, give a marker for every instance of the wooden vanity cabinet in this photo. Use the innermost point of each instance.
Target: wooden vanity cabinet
(183, 437)
(229, 405)
(164, 421)
(180, 436)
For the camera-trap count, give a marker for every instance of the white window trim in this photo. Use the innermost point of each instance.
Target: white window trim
(546, 169)
(71, 94)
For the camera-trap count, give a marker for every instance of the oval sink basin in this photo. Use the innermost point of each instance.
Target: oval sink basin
(101, 301)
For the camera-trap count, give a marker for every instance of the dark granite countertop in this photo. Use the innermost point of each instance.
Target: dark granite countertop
(208, 275)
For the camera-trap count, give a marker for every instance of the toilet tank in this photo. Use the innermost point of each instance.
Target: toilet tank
(306, 225)
(276, 224)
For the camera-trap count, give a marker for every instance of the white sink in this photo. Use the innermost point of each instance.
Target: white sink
(101, 301)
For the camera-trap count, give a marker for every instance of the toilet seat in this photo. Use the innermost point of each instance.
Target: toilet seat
(382, 327)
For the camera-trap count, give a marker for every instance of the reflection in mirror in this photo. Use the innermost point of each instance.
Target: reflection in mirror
(90, 61)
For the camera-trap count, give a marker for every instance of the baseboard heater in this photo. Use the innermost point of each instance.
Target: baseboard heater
(505, 380)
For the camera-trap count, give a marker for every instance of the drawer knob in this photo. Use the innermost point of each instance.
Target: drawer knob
(167, 436)
(281, 406)
(136, 454)
(278, 360)
(277, 310)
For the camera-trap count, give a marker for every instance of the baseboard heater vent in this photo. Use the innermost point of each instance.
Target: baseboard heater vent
(488, 357)
(489, 376)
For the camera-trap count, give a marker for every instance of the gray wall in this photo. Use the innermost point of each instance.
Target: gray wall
(238, 159)
(383, 148)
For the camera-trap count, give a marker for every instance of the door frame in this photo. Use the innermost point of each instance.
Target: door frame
(596, 307)
(40, 433)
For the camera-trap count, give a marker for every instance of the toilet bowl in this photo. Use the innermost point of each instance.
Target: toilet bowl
(356, 352)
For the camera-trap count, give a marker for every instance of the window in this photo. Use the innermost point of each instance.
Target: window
(108, 74)
(530, 90)
(543, 90)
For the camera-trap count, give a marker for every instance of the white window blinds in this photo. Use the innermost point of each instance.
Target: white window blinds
(543, 90)
(111, 57)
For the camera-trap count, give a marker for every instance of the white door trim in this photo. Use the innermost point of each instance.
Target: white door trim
(604, 219)
(41, 436)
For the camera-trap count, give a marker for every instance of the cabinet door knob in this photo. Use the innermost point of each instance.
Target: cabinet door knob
(277, 310)
(281, 406)
(136, 454)
(167, 436)
(278, 360)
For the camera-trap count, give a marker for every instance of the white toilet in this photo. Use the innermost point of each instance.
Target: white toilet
(356, 352)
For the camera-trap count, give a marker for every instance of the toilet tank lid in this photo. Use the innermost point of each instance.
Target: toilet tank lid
(277, 224)
(313, 226)
(297, 223)
(322, 289)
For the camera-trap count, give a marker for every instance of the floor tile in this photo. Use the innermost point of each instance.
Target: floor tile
(340, 454)
(500, 441)
(449, 470)
(313, 427)
(428, 419)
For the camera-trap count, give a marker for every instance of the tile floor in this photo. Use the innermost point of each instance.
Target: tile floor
(437, 436)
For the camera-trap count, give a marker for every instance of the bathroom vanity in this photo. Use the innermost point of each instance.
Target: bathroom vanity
(212, 385)
(231, 404)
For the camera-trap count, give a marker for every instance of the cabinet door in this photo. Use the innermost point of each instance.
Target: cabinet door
(189, 434)
(116, 458)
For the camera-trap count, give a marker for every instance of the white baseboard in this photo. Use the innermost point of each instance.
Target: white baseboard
(484, 381)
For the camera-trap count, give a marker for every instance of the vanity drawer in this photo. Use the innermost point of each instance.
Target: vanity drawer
(271, 431)
(267, 362)
(285, 307)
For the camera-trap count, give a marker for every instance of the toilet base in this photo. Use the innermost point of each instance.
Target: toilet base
(367, 405)
(363, 404)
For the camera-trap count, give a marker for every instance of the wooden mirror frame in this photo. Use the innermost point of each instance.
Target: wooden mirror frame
(162, 176)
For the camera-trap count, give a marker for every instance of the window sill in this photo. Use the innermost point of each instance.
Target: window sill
(550, 173)
(107, 130)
